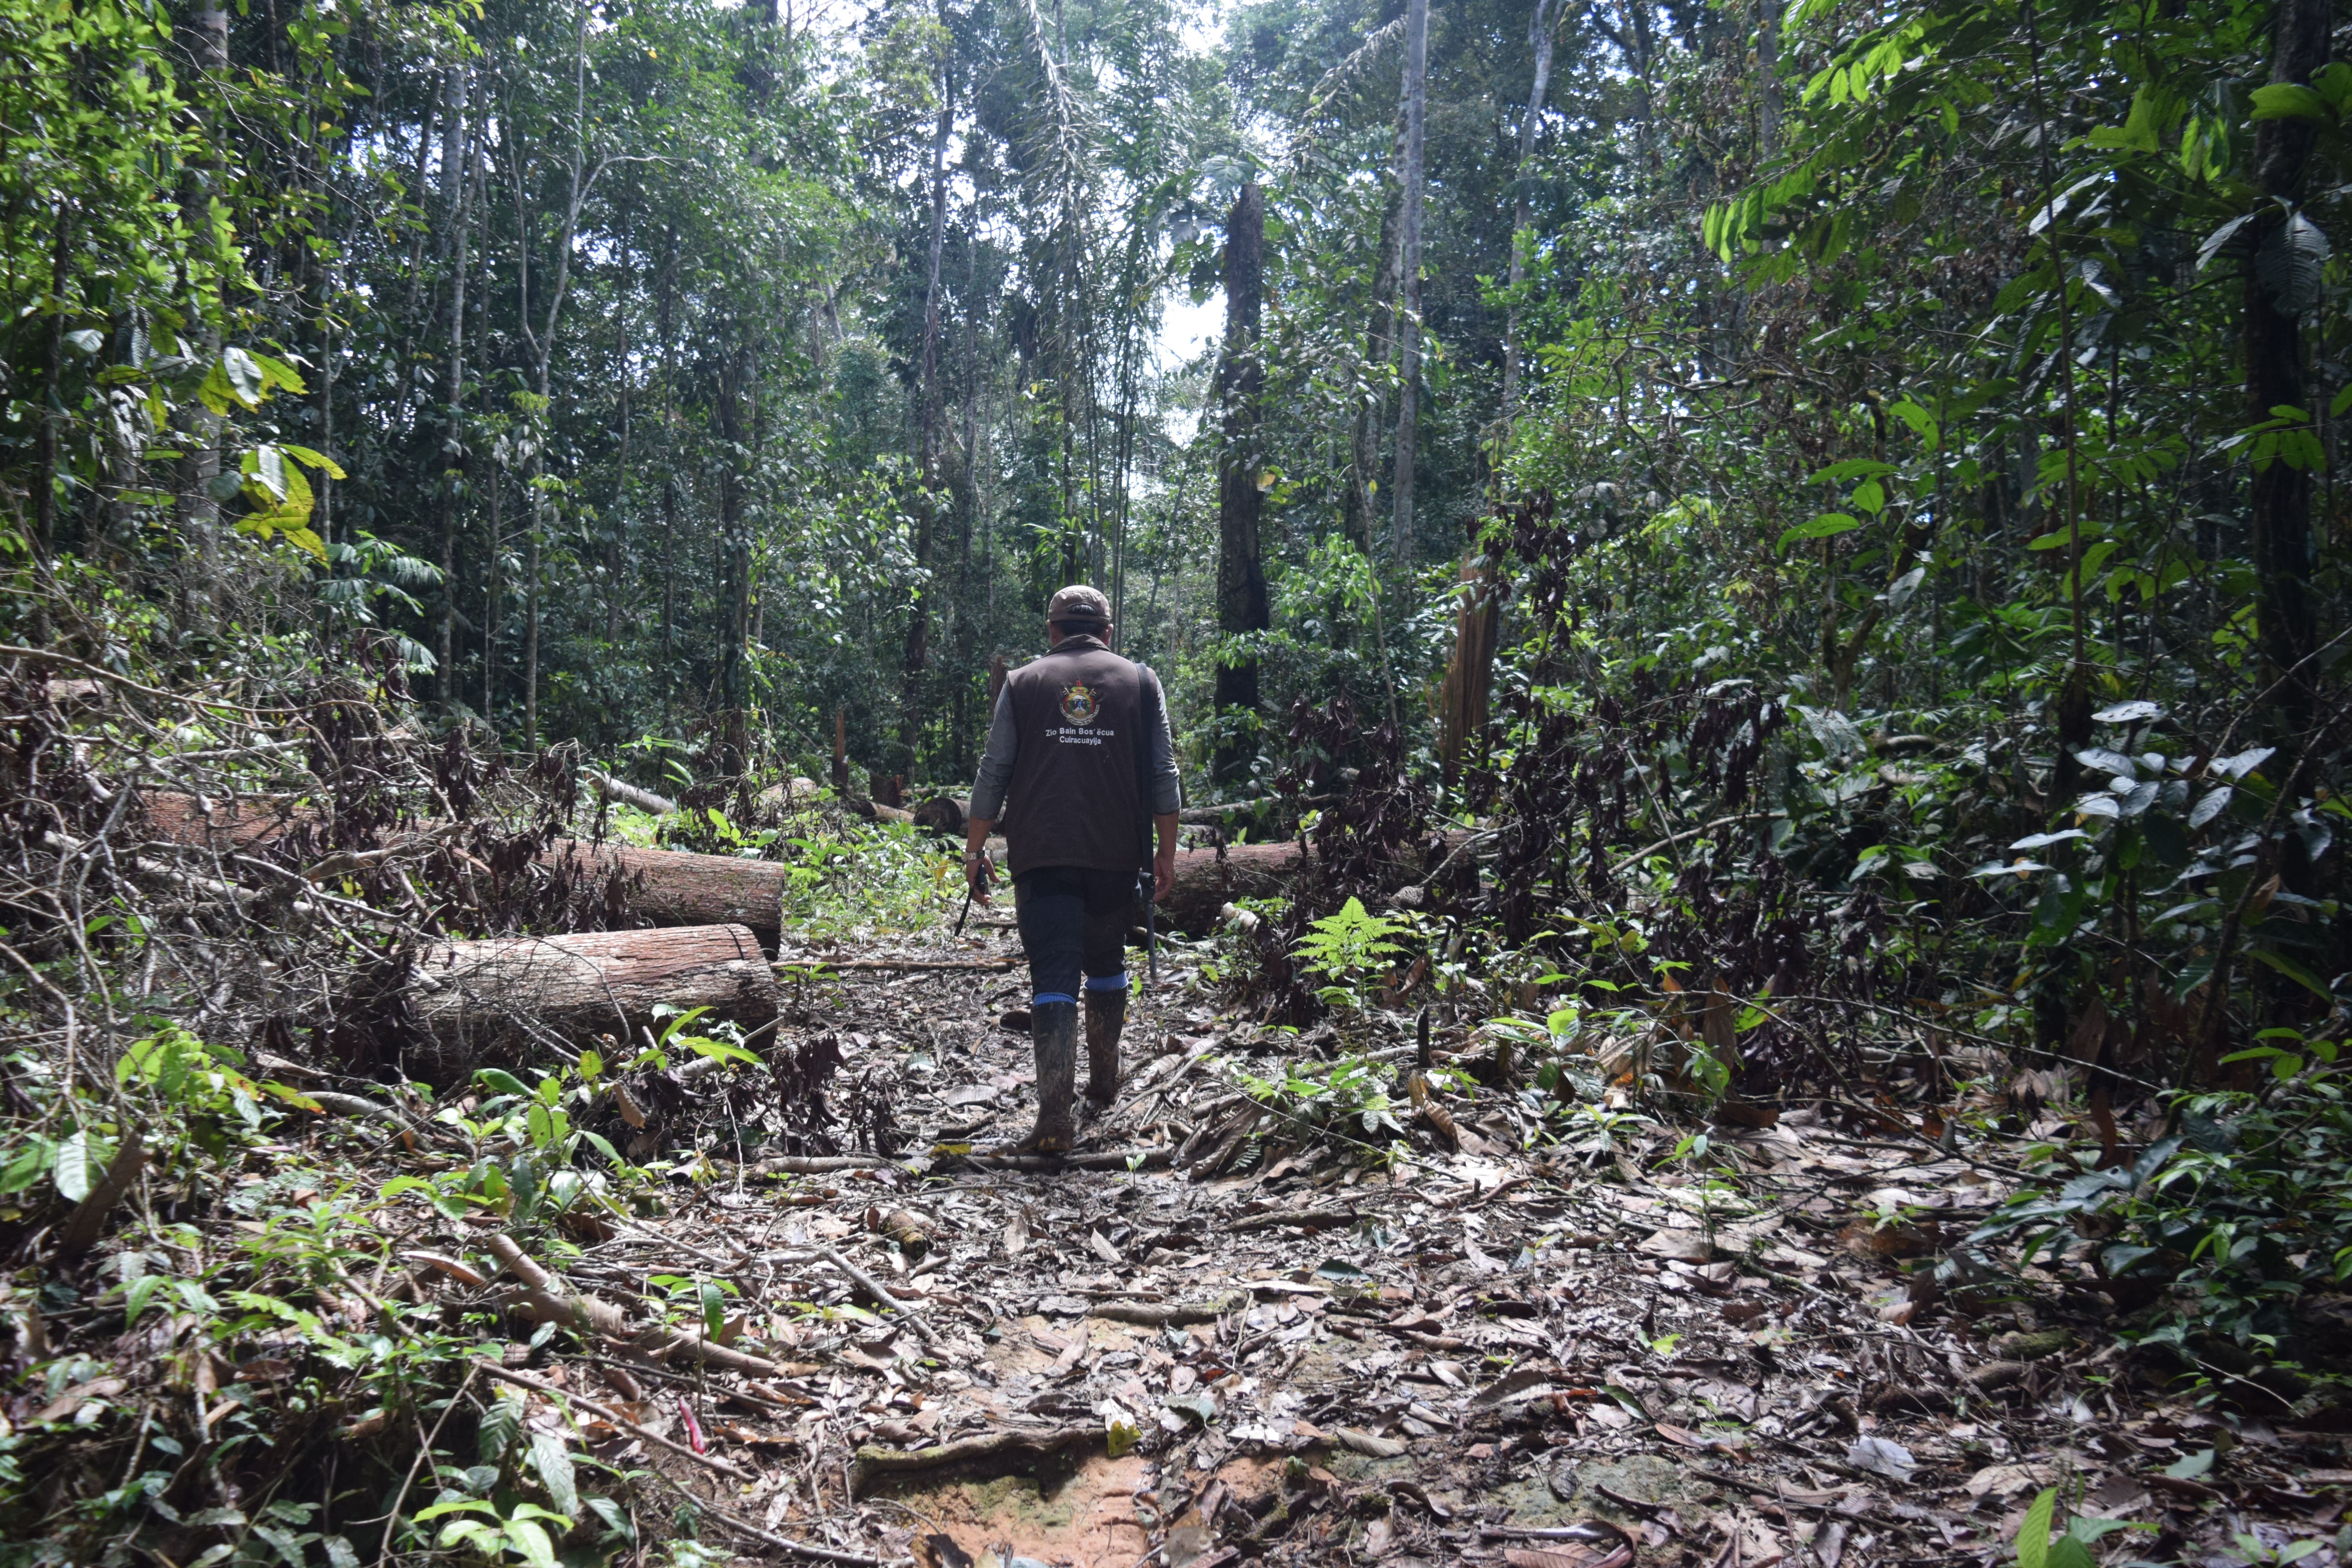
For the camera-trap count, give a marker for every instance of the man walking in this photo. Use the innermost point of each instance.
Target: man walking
(1080, 744)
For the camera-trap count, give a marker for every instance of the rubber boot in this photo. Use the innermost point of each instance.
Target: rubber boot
(1105, 1016)
(1054, 1029)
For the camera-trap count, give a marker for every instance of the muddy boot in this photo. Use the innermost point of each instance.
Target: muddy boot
(1054, 1026)
(1105, 1016)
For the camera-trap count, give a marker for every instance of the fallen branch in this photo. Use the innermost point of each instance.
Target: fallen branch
(781, 1544)
(546, 1300)
(880, 1296)
(524, 1380)
(873, 1461)
(1166, 1314)
(1306, 1219)
(990, 965)
(1110, 1160)
(818, 1164)
(645, 800)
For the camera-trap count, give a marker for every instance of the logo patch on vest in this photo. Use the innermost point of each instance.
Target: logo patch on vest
(1080, 703)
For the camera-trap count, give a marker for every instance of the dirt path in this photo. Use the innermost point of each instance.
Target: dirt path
(1430, 1360)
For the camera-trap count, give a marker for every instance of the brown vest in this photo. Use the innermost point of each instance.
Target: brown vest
(1077, 797)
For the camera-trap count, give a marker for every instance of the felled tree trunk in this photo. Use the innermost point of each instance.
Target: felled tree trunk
(1205, 884)
(487, 1002)
(672, 888)
(661, 887)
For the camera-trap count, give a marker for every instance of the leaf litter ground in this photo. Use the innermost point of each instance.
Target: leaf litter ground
(1562, 1359)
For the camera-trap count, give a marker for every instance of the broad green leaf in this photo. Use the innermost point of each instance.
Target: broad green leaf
(2189, 1467)
(1822, 527)
(529, 1537)
(719, 1050)
(552, 1460)
(80, 1165)
(2292, 971)
(2289, 100)
(2034, 1535)
(498, 1080)
(314, 459)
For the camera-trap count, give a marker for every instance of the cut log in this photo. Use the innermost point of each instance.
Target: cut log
(645, 800)
(672, 888)
(226, 823)
(1205, 884)
(661, 887)
(485, 1001)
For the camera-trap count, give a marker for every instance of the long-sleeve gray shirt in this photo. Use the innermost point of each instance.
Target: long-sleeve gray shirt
(1161, 786)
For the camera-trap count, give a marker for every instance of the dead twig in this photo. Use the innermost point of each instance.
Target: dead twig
(1166, 1314)
(524, 1380)
(880, 1296)
(873, 1461)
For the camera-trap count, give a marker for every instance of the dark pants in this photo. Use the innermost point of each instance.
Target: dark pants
(1074, 921)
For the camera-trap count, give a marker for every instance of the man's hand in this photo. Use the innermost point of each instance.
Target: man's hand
(978, 875)
(979, 870)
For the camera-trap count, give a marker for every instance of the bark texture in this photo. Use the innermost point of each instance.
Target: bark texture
(2275, 367)
(491, 1000)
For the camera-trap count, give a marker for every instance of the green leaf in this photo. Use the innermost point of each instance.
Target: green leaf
(2289, 100)
(2189, 1467)
(2293, 262)
(135, 1298)
(1823, 527)
(2068, 1553)
(79, 1166)
(1923, 424)
(456, 1505)
(2151, 108)
(720, 1051)
(552, 1460)
(498, 1080)
(2292, 971)
(529, 1537)
(1850, 468)
(314, 459)
(2034, 1535)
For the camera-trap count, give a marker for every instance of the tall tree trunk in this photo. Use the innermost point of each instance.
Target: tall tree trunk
(531, 631)
(199, 509)
(1539, 37)
(969, 508)
(1379, 346)
(919, 621)
(2274, 369)
(451, 469)
(1241, 567)
(735, 563)
(490, 585)
(45, 430)
(1768, 78)
(669, 467)
(1416, 104)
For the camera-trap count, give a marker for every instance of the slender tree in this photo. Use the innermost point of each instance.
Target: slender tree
(1242, 608)
(1416, 112)
(2288, 252)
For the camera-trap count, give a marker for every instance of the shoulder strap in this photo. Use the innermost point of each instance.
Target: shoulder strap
(1148, 708)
